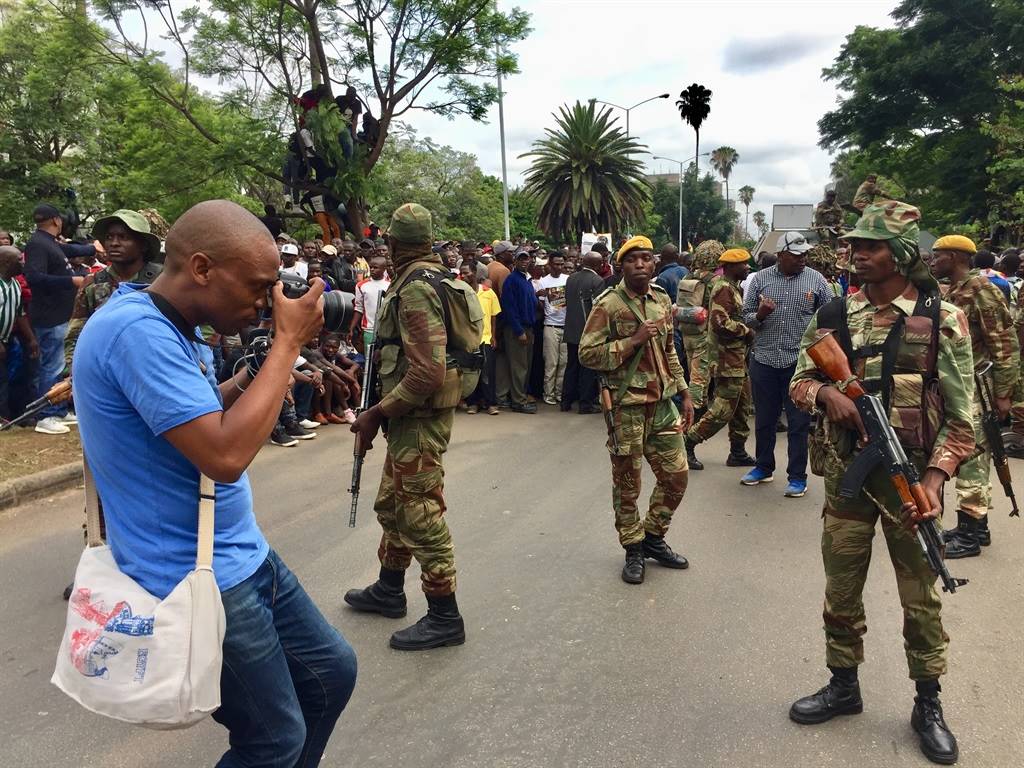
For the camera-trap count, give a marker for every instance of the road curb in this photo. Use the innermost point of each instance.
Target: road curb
(39, 484)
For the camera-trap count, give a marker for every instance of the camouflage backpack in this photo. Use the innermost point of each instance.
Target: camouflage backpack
(692, 293)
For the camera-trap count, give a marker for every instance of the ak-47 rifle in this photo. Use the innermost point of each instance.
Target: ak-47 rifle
(366, 402)
(994, 434)
(883, 449)
(59, 393)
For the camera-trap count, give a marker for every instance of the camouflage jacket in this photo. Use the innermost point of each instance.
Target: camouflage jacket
(93, 294)
(826, 215)
(604, 345)
(991, 328)
(948, 438)
(410, 330)
(866, 194)
(728, 337)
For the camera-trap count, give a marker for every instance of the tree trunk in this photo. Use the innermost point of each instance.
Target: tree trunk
(357, 217)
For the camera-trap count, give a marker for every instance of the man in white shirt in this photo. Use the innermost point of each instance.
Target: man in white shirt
(368, 293)
(556, 354)
(290, 264)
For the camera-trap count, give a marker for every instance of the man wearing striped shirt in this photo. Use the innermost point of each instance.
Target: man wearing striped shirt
(778, 304)
(12, 319)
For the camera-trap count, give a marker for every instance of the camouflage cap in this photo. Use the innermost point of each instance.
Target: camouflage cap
(136, 222)
(705, 255)
(411, 223)
(886, 220)
(823, 259)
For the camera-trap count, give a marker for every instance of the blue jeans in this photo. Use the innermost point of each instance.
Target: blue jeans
(287, 673)
(51, 365)
(771, 394)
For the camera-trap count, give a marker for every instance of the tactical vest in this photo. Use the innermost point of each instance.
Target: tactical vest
(103, 283)
(692, 294)
(909, 384)
(462, 365)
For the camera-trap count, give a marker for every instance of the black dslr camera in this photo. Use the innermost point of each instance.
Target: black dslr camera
(338, 305)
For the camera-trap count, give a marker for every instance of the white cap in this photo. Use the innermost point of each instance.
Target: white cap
(291, 248)
(793, 242)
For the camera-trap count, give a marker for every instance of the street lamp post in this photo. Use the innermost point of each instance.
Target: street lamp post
(627, 109)
(501, 132)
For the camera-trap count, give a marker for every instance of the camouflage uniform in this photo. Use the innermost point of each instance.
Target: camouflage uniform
(647, 423)
(1017, 409)
(994, 340)
(849, 524)
(695, 337)
(728, 340)
(828, 216)
(419, 395)
(866, 194)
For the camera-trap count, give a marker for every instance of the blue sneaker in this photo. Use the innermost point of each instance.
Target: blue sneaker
(795, 489)
(756, 476)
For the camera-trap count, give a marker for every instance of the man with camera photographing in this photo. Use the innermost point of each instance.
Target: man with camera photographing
(146, 388)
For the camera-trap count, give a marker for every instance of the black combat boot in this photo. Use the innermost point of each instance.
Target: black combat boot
(840, 697)
(984, 535)
(633, 570)
(937, 742)
(385, 596)
(691, 458)
(656, 548)
(441, 626)
(963, 540)
(738, 456)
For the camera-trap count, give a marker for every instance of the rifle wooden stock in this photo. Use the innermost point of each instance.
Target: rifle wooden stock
(830, 359)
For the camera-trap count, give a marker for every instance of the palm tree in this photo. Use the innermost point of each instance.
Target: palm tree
(694, 107)
(585, 175)
(746, 194)
(722, 160)
(759, 222)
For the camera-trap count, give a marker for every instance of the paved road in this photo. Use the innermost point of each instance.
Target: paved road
(565, 665)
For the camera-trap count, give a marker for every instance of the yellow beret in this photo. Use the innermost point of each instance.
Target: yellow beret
(635, 242)
(955, 243)
(734, 256)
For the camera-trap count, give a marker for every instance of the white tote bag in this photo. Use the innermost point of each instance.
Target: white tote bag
(126, 654)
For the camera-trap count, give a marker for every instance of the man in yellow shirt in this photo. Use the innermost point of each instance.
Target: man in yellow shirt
(484, 395)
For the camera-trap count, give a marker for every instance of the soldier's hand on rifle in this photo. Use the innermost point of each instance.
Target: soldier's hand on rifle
(687, 410)
(841, 410)
(931, 482)
(647, 331)
(1003, 407)
(765, 308)
(367, 425)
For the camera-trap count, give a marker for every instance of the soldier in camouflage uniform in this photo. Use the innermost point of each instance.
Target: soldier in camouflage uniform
(994, 341)
(134, 254)
(828, 218)
(629, 336)
(868, 192)
(822, 259)
(728, 342)
(419, 394)
(898, 292)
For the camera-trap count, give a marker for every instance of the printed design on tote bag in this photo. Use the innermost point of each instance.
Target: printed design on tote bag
(90, 648)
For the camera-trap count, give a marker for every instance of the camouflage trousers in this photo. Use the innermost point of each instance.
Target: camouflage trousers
(1017, 406)
(973, 487)
(410, 501)
(849, 527)
(654, 432)
(731, 405)
(696, 348)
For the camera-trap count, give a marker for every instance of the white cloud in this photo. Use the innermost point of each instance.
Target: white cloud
(767, 95)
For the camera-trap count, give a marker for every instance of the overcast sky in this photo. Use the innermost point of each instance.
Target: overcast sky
(762, 61)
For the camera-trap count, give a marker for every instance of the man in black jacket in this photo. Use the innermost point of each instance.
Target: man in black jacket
(580, 291)
(53, 287)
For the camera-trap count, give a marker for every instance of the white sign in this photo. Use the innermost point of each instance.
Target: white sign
(588, 240)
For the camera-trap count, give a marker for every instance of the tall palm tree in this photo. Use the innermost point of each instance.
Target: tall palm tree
(722, 160)
(694, 107)
(759, 222)
(746, 194)
(585, 174)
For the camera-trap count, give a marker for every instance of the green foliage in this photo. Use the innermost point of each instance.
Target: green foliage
(694, 106)
(1007, 169)
(761, 222)
(915, 98)
(705, 213)
(723, 160)
(585, 175)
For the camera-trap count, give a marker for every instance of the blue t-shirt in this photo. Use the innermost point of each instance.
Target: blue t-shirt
(136, 377)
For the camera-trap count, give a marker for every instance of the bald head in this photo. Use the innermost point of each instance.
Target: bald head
(10, 261)
(221, 229)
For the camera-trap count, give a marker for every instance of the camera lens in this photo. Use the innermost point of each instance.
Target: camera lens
(338, 310)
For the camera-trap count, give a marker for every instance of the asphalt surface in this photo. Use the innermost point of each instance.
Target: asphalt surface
(565, 665)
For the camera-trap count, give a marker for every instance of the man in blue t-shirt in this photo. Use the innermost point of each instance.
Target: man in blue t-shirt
(145, 387)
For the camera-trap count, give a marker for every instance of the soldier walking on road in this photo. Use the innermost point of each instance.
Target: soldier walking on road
(419, 394)
(629, 336)
(993, 340)
(915, 352)
(728, 340)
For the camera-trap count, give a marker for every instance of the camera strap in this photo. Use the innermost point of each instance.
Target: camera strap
(175, 318)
